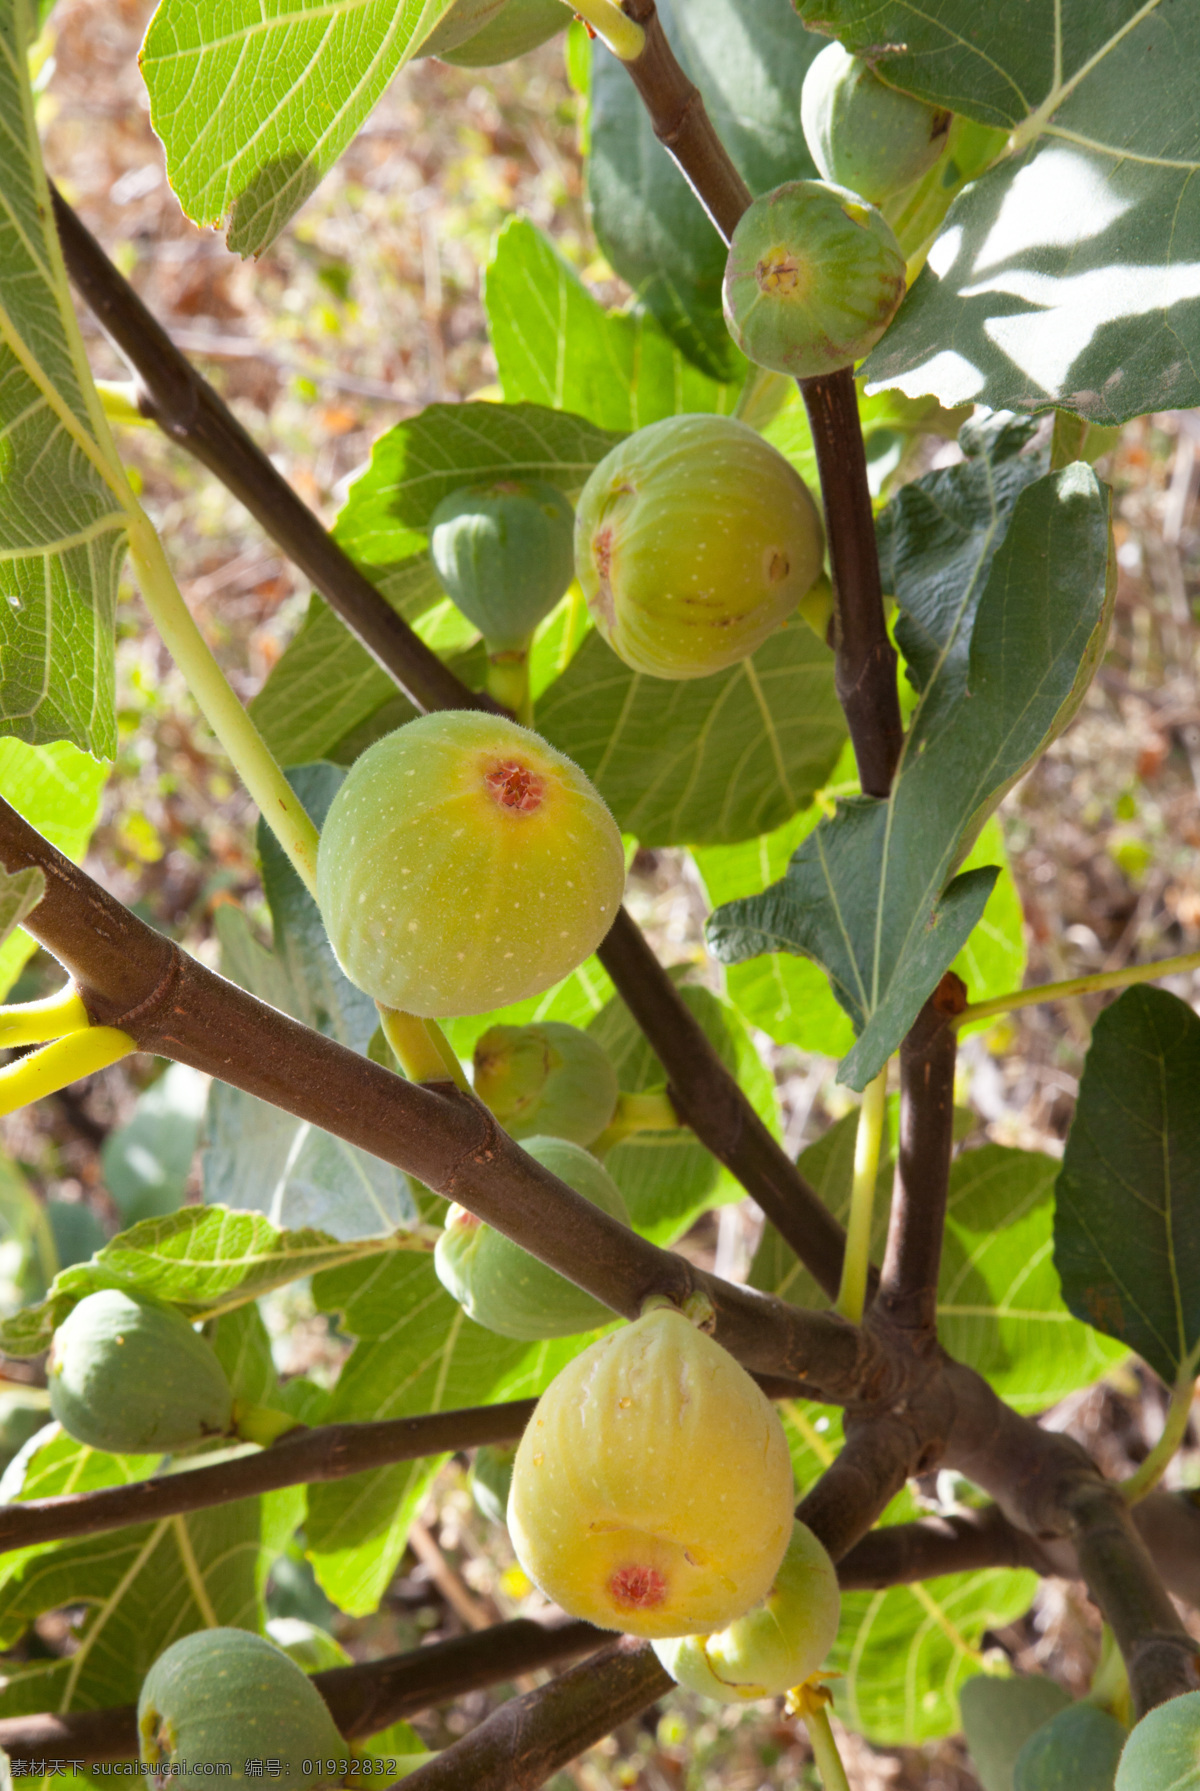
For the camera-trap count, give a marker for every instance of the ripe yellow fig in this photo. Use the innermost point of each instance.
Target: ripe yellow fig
(652, 1490)
(694, 539)
(464, 864)
(774, 1646)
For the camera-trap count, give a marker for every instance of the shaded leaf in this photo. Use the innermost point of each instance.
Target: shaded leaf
(147, 1161)
(999, 1716)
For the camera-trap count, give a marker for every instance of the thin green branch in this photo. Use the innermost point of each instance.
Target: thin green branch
(1093, 984)
(1148, 1473)
(57, 1065)
(856, 1263)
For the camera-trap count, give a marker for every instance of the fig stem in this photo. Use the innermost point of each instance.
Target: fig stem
(1078, 985)
(36, 1022)
(625, 39)
(508, 680)
(1149, 1472)
(857, 1260)
(57, 1065)
(421, 1047)
(649, 1112)
(262, 1424)
(810, 1701)
(278, 803)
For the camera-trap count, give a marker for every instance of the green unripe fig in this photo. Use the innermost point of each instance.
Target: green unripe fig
(520, 26)
(129, 1376)
(814, 277)
(461, 22)
(503, 1287)
(652, 1490)
(504, 553)
(777, 1644)
(464, 864)
(694, 539)
(228, 1695)
(1077, 1750)
(1163, 1750)
(491, 1479)
(550, 1078)
(863, 134)
(999, 1716)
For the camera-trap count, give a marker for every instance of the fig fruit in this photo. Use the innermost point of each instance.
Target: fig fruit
(777, 1644)
(491, 1472)
(463, 20)
(550, 1078)
(814, 277)
(1163, 1750)
(128, 1376)
(694, 538)
(863, 134)
(520, 26)
(228, 1695)
(464, 864)
(503, 1287)
(652, 1490)
(504, 553)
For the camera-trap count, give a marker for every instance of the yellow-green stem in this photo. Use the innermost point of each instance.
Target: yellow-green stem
(623, 37)
(1078, 985)
(421, 1047)
(649, 1112)
(810, 1702)
(1148, 1473)
(262, 1424)
(508, 682)
(252, 760)
(33, 1022)
(857, 1259)
(57, 1065)
(1067, 439)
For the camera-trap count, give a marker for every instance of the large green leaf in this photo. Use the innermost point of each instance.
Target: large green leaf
(557, 345)
(57, 789)
(1127, 1227)
(748, 58)
(255, 103)
(701, 760)
(867, 894)
(147, 1161)
(62, 518)
(417, 1352)
(1068, 274)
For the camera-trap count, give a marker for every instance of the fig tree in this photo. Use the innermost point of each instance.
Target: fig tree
(503, 1287)
(520, 26)
(813, 278)
(129, 1376)
(226, 1695)
(863, 134)
(694, 539)
(1163, 1750)
(652, 1490)
(550, 1078)
(777, 1644)
(465, 864)
(504, 553)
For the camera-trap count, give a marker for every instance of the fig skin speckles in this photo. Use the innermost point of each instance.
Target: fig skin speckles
(464, 864)
(619, 1510)
(694, 540)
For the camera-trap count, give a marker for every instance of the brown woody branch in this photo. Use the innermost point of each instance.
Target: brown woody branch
(132, 977)
(188, 410)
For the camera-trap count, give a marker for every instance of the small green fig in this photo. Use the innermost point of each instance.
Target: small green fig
(863, 134)
(814, 277)
(490, 1479)
(464, 864)
(999, 1716)
(1077, 1750)
(503, 1287)
(504, 553)
(226, 1695)
(549, 1078)
(1163, 1750)
(694, 539)
(129, 1376)
(652, 1490)
(520, 26)
(777, 1644)
(460, 23)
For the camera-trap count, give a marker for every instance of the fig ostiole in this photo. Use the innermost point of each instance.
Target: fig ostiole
(813, 278)
(504, 553)
(863, 134)
(230, 1696)
(616, 1510)
(694, 540)
(548, 1078)
(129, 1376)
(503, 1287)
(464, 864)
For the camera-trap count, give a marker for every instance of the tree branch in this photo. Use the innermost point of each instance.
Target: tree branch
(907, 1297)
(131, 976)
(190, 412)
